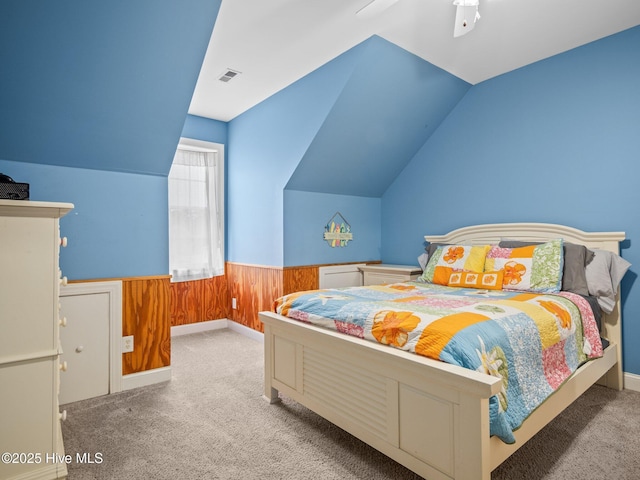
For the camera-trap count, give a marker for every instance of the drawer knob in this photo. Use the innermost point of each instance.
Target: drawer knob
(63, 415)
(63, 322)
(63, 366)
(79, 349)
(63, 281)
(64, 242)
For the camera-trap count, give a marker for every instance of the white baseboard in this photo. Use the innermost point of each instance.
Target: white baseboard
(632, 382)
(217, 325)
(246, 331)
(148, 377)
(199, 327)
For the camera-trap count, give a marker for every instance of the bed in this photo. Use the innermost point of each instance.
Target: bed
(428, 415)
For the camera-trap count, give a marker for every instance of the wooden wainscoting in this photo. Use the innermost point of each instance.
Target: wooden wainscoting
(152, 305)
(145, 315)
(255, 288)
(297, 279)
(199, 300)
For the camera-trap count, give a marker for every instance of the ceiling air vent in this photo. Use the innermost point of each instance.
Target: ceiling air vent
(228, 75)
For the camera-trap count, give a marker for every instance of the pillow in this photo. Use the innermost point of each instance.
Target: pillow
(449, 258)
(604, 275)
(576, 258)
(533, 268)
(431, 248)
(486, 280)
(422, 260)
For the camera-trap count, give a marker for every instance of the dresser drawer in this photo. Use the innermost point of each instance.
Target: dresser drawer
(28, 254)
(29, 412)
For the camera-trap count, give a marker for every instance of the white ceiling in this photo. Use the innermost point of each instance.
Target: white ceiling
(273, 43)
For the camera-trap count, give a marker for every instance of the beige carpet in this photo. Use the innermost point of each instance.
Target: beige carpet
(211, 422)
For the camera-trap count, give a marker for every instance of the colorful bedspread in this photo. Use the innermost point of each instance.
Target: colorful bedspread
(533, 342)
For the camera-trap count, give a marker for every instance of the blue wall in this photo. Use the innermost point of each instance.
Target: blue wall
(265, 145)
(307, 213)
(346, 129)
(94, 97)
(119, 226)
(556, 142)
(206, 129)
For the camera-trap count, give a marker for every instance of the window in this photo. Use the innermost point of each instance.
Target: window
(196, 211)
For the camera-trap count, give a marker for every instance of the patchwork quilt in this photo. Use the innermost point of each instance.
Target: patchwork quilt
(533, 342)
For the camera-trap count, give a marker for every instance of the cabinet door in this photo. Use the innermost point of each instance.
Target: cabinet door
(28, 293)
(85, 345)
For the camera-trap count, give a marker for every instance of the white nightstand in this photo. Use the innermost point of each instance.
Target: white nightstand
(377, 274)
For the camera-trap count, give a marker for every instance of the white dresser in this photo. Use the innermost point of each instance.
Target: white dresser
(30, 437)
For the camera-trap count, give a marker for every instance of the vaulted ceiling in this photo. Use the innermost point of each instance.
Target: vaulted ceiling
(274, 43)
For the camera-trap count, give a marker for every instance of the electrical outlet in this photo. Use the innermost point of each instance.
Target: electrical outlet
(234, 303)
(127, 344)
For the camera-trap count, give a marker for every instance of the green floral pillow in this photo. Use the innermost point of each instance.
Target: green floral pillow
(534, 268)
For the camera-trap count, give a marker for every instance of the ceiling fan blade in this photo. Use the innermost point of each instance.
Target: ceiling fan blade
(466, 17)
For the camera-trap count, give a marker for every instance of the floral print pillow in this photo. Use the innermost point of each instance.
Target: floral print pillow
(451, 258)
(534, 268)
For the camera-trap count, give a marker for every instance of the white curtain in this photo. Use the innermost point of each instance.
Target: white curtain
(196, 232)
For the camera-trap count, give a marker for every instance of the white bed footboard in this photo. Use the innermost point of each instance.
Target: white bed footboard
(429, 416)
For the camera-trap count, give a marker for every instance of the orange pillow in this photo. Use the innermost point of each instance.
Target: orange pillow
(452, 258)
(486, 280)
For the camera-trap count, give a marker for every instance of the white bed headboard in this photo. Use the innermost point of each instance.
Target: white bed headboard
(495, 232)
